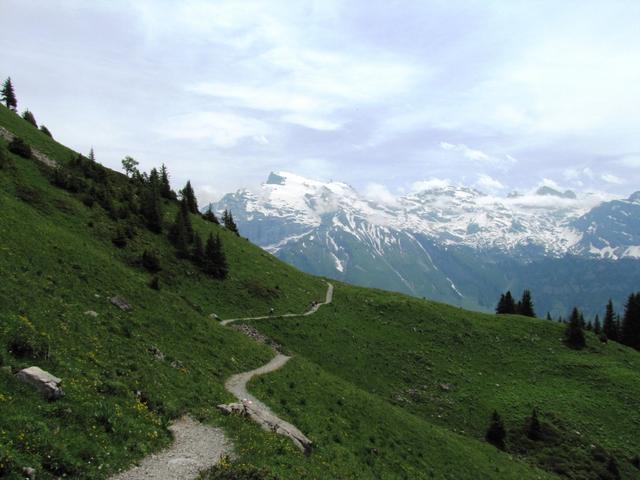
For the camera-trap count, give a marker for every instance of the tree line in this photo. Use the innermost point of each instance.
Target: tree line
(625, 329)
(8, 97)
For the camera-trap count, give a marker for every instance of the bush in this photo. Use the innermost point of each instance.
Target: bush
(46, 131)
(150, 261)
(496, 432)
(20, 148)
(155, 283)
(120, 238)
(25, 342)
(225, 470)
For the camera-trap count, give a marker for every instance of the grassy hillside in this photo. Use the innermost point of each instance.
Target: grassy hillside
(452, 368)
(385, 386)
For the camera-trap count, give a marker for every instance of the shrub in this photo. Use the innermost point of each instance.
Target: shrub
(46, 131)
(4, 160)
(25, 342)
(225, 470)
(150, 261)
(20, 148)
(120, 238)
(155, 283)
(496, 433)
(534, 429)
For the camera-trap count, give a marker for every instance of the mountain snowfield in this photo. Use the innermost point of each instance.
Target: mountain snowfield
(439, 242)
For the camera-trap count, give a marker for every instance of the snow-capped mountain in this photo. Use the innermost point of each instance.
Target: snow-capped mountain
(449, 243)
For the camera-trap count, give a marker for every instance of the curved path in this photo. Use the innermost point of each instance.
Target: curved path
(196, 447)
(254, 408)
(311, 311)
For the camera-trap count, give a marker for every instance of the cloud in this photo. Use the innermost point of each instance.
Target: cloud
(477, 155)
(487, 183)
(613, 179)
(430, 184)
(224, 130)
(379, 193)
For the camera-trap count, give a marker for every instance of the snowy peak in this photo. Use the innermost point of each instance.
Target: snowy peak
(548, 191)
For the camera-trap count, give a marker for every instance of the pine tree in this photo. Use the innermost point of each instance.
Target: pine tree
(184, 211)
(597, 327)
(534, 429)
(165, 187)
(29, 117)
(46, 131)
(509, 302)
(215, 263)
(210, 216)
(549, 317)
(181, 231)
(151, 205)
(9, 95)
(574, 336)
(197, 251)
(92, 155)
(500, 308)
(496, 433)
(630, 331)
(190, 197)
(525, 305)
(609, 325)
(227, 219)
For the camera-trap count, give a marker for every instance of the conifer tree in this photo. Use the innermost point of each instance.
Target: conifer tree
(500, 308)
(574, 336)
(92, 155)
(609, 325)
(9, 95)
(197, 251)
(534, 429)
(165, 187)
(151, 205)
(29, 117)
(184, 211)
(549, 317)
(496, 433)
(525, 305)
(229, 223)
(46, 131)
(215, 263)
(597, 327)
(190, 197)
(630, 330)
(210, 216)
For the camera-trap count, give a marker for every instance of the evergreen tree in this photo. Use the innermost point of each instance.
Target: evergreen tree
(496, 433)
(197, 251)
(46, 131)
(612, 468)
(574, 336)
(210, 216)
(29, 117)
(184, 211)
(151, 205)
(525, 305)
(92, 155)
(215, 262)
(549, 317)
(227, 220)
(630, 331)
(609, 325)
(9, 95)
(597, 327)
(178, 236)
(501, 308)
(509, 302)
(534, 429)
(190, 197)
(165, 187)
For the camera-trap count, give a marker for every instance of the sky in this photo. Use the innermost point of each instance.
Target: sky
(384, 95)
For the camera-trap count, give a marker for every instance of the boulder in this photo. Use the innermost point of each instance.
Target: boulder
(121, 303)
(46, 383)
(91, 313)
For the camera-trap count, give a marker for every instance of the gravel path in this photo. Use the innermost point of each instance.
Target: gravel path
(311, 311)
(195, 448)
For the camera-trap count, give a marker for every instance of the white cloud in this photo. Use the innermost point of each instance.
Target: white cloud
(379, 193)
(476, 155)
(429, 184)
(222, 129)
(488, 183)
(613, 179)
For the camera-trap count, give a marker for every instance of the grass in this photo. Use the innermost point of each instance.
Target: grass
(385, 385)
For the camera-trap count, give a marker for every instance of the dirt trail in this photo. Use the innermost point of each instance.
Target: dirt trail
(254, 408)
(195, 448)
(311, 311)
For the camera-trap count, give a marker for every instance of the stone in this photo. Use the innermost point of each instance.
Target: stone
(121, 303)
(213, 316)
(46, 383)
(29, 472)
(91, 313)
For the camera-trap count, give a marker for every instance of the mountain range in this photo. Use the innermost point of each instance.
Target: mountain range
(451, 243)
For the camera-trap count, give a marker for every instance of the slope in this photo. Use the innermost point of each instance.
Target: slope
(127, 374)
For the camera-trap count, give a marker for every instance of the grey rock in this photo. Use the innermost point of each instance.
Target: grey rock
(91, 313)
(121, 303)
(44, 382)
